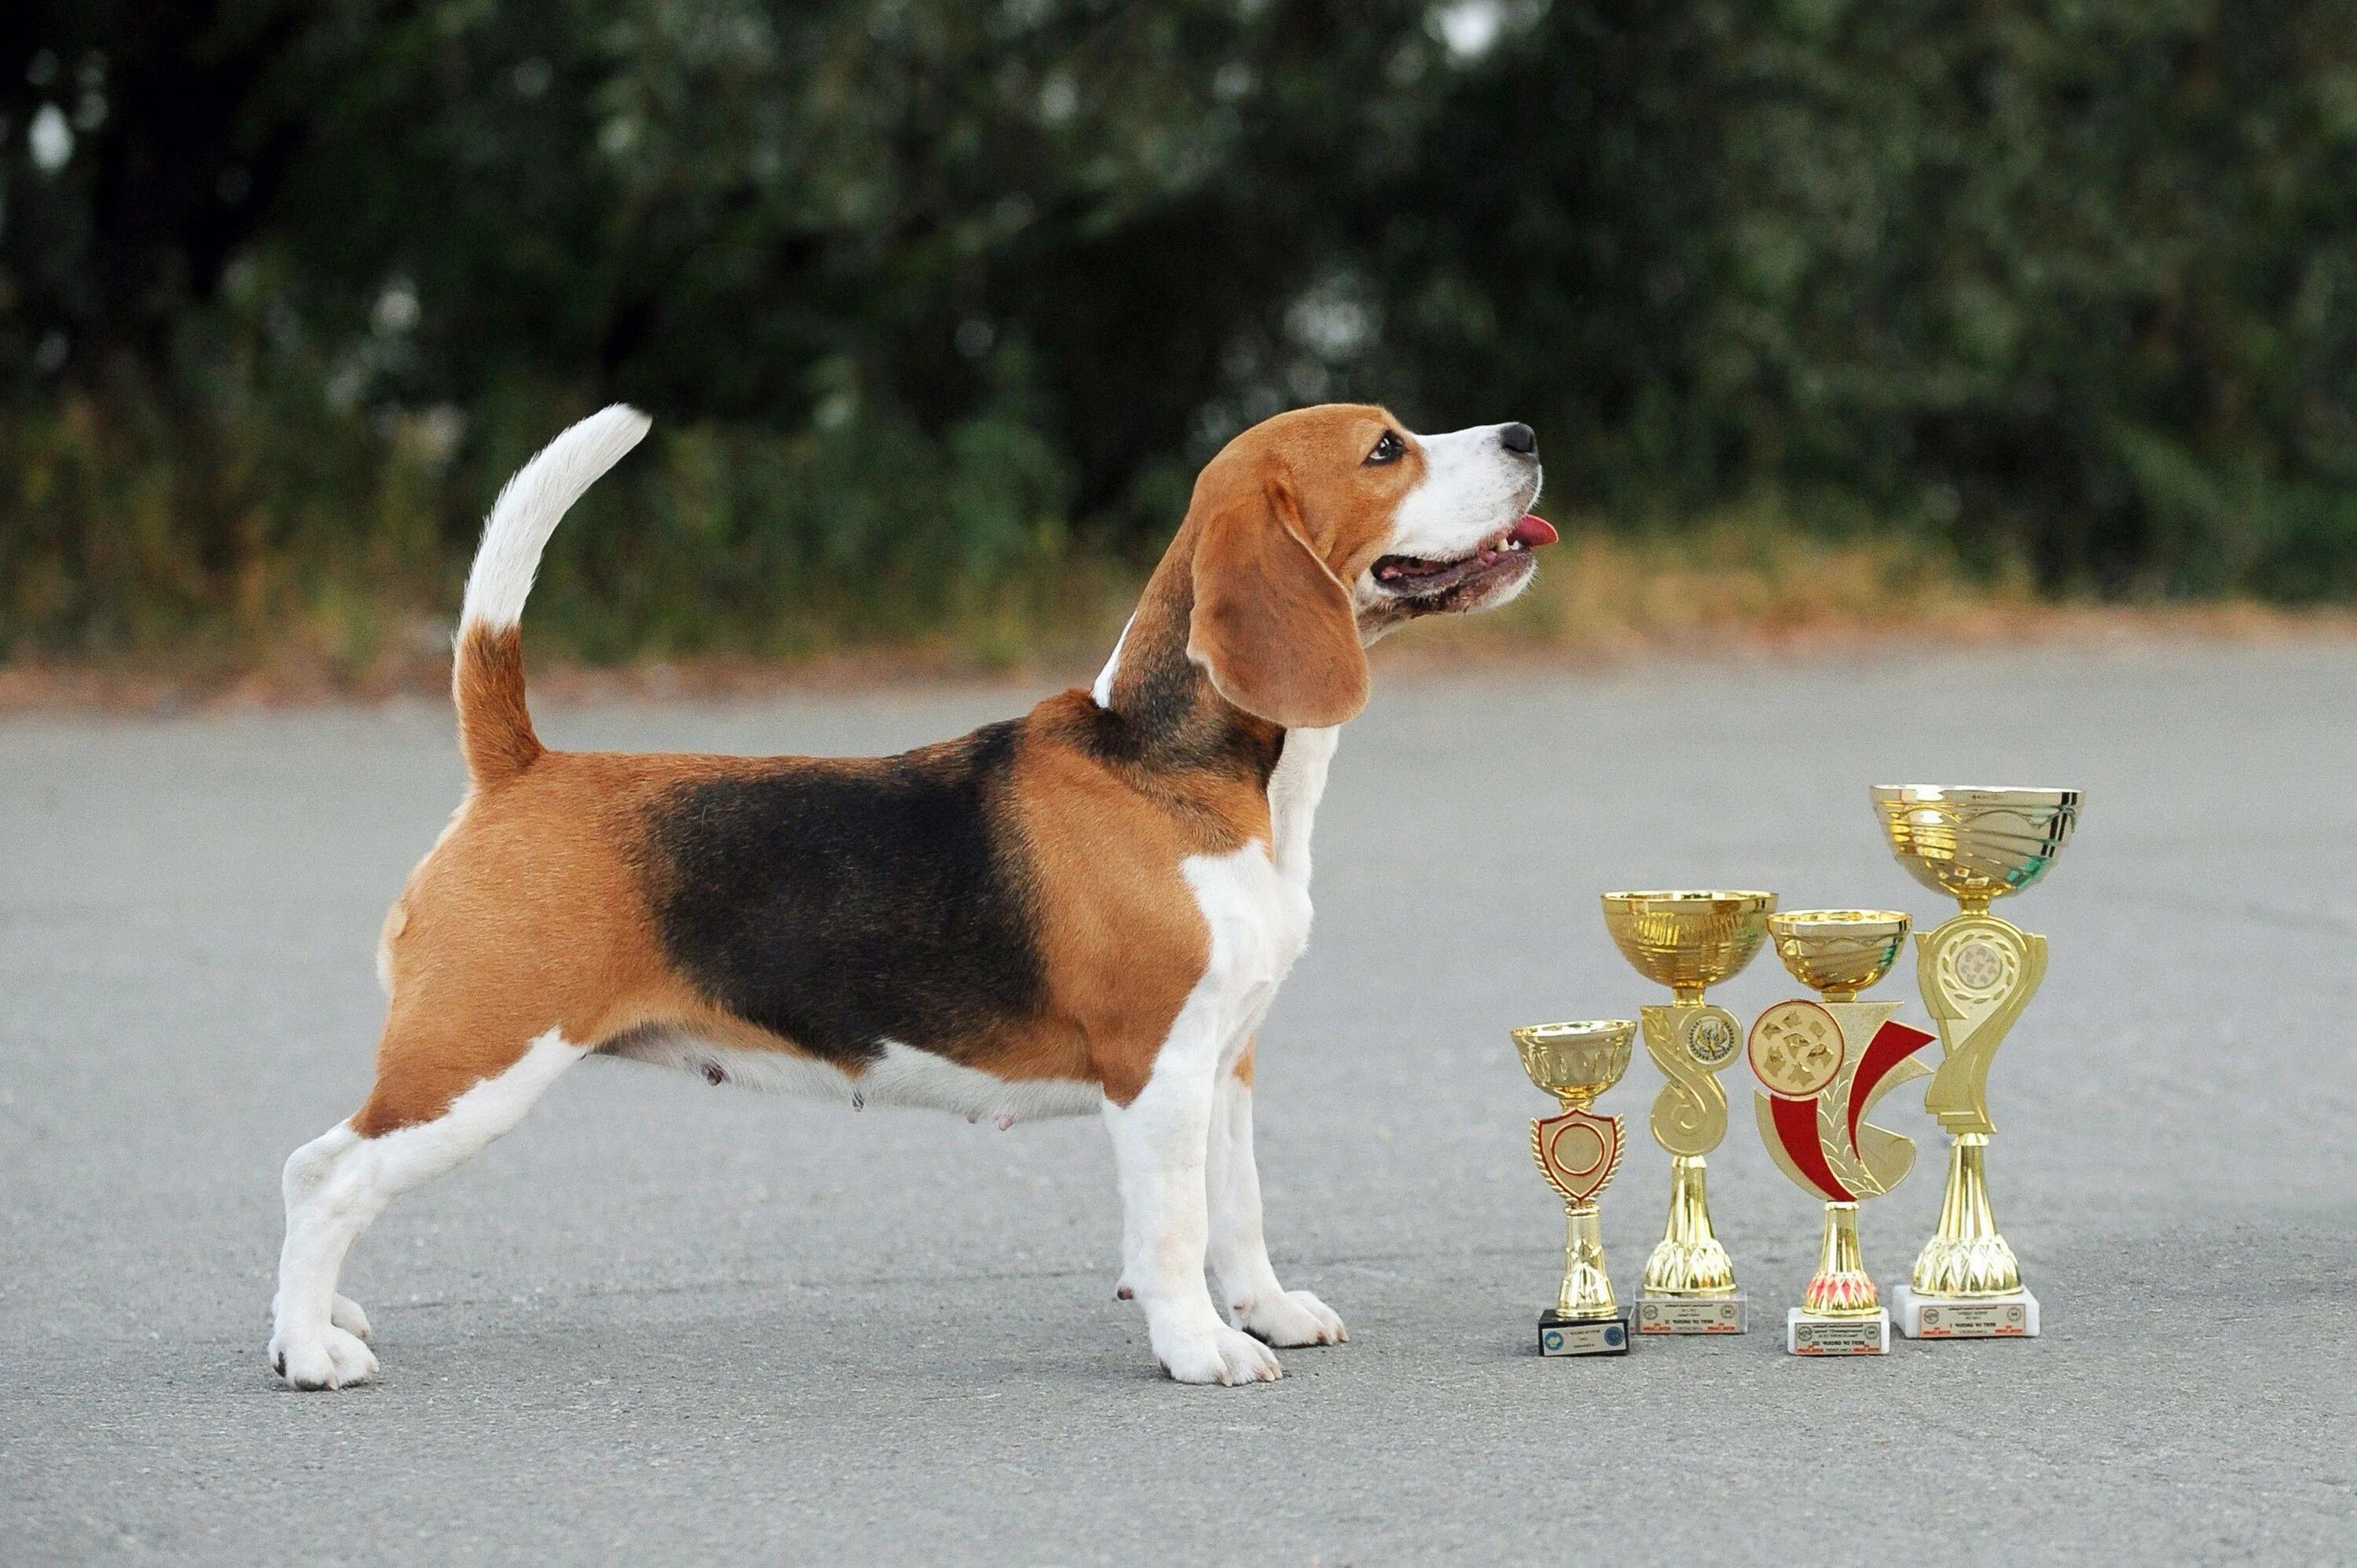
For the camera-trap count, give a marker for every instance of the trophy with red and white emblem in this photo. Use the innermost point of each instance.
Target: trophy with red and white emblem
(1825, 1063)
(1578, 1151)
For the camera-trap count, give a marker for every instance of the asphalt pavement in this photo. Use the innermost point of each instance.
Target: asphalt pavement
(664, 1322)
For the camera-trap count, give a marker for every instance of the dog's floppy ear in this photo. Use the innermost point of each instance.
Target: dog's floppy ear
(1271, 624)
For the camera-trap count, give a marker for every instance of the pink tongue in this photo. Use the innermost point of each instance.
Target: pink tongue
(1532, 532)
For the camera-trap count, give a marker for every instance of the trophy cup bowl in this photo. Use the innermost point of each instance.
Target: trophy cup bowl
(1839, 953)
(1577, 1062)
(1688, 940)
(1975, 843)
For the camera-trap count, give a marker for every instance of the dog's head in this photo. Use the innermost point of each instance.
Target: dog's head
(1319, 531)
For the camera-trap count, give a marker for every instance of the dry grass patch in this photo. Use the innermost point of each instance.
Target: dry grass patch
(1738, 585)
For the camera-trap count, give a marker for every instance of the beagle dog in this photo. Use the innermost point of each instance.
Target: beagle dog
(1086, 910)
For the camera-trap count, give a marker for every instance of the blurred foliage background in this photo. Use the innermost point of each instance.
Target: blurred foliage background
(939, 303)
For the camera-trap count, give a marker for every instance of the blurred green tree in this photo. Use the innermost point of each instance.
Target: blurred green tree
(931, 296)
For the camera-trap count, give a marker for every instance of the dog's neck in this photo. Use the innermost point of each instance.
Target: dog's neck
(1161, 711)
(1166, 714)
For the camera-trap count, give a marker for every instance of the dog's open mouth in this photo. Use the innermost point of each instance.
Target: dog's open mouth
(1416, 577)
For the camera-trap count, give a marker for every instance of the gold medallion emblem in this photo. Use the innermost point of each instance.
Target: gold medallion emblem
(1711, 1039)
(1980, 966)
(1796, 1048)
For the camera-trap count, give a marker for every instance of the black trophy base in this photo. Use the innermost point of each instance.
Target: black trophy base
(1561, 1336)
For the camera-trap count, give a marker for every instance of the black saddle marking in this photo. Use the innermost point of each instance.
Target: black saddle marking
(842, 904)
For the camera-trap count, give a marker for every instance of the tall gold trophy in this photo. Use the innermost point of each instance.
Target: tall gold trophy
(1578, 1151)
(1824, 1064)
(1688, 942)
(1977, 972)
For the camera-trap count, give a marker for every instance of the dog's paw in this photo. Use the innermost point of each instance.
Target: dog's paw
(1289, 1318)
(346, 1316)
(335, 1359)
(1217, 1355)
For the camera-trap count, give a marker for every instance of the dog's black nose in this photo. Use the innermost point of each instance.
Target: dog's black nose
(1519, 438)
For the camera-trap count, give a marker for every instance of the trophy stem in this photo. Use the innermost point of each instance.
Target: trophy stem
(1688, 1259)
(1966, 1258)
(1841, 1286)
(1587, 1290)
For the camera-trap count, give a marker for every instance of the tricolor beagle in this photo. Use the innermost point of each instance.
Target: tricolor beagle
(1085, 909)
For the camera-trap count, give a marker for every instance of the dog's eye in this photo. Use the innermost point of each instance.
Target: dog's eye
(1390, 449)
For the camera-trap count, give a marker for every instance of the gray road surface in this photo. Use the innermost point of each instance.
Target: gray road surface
(669, 1323)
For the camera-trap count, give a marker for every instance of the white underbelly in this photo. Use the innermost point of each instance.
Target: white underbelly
(902, 1075)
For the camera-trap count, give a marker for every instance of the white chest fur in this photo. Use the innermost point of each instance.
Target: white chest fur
(1255, 899)
(1294, 791)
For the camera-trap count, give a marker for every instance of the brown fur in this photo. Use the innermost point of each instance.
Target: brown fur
(1271, 624)
(494, 722)
(529, 916)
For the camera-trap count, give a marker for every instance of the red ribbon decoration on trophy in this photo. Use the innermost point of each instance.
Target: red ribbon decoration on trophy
(1796, 1129)
(1892, 1043)
(1796, 1120)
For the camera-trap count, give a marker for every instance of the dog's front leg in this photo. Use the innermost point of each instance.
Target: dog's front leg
(1239, 1249)
(1161, 1146)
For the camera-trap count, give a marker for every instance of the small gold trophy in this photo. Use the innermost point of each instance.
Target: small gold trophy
(1826, 1063)
(1577, 1152)
(1977, 972)
(1687, 941)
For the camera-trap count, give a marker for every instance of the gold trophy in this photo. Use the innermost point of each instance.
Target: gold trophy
(1577, 1152)
(1687, 941)
(1826, 1063)
(1977, 972)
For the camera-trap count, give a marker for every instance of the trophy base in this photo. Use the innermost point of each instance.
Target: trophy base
(1691, 1314)
(2011, 1316)
(1561, 1336)
(1806, 1334)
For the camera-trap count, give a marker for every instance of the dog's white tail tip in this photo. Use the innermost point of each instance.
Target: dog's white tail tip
(531, 504)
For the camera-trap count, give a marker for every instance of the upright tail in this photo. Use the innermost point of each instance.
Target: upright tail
(494, 725)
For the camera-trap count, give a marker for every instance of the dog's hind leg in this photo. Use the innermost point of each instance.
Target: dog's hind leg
(340, 1182)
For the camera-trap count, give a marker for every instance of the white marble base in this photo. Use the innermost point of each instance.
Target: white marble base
(1806, 1335)
(1935, 1317)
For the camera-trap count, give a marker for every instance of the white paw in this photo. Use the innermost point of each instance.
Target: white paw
(1216, 1354)
(1291, 1317)
(334, 1359)
(346, 1316)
